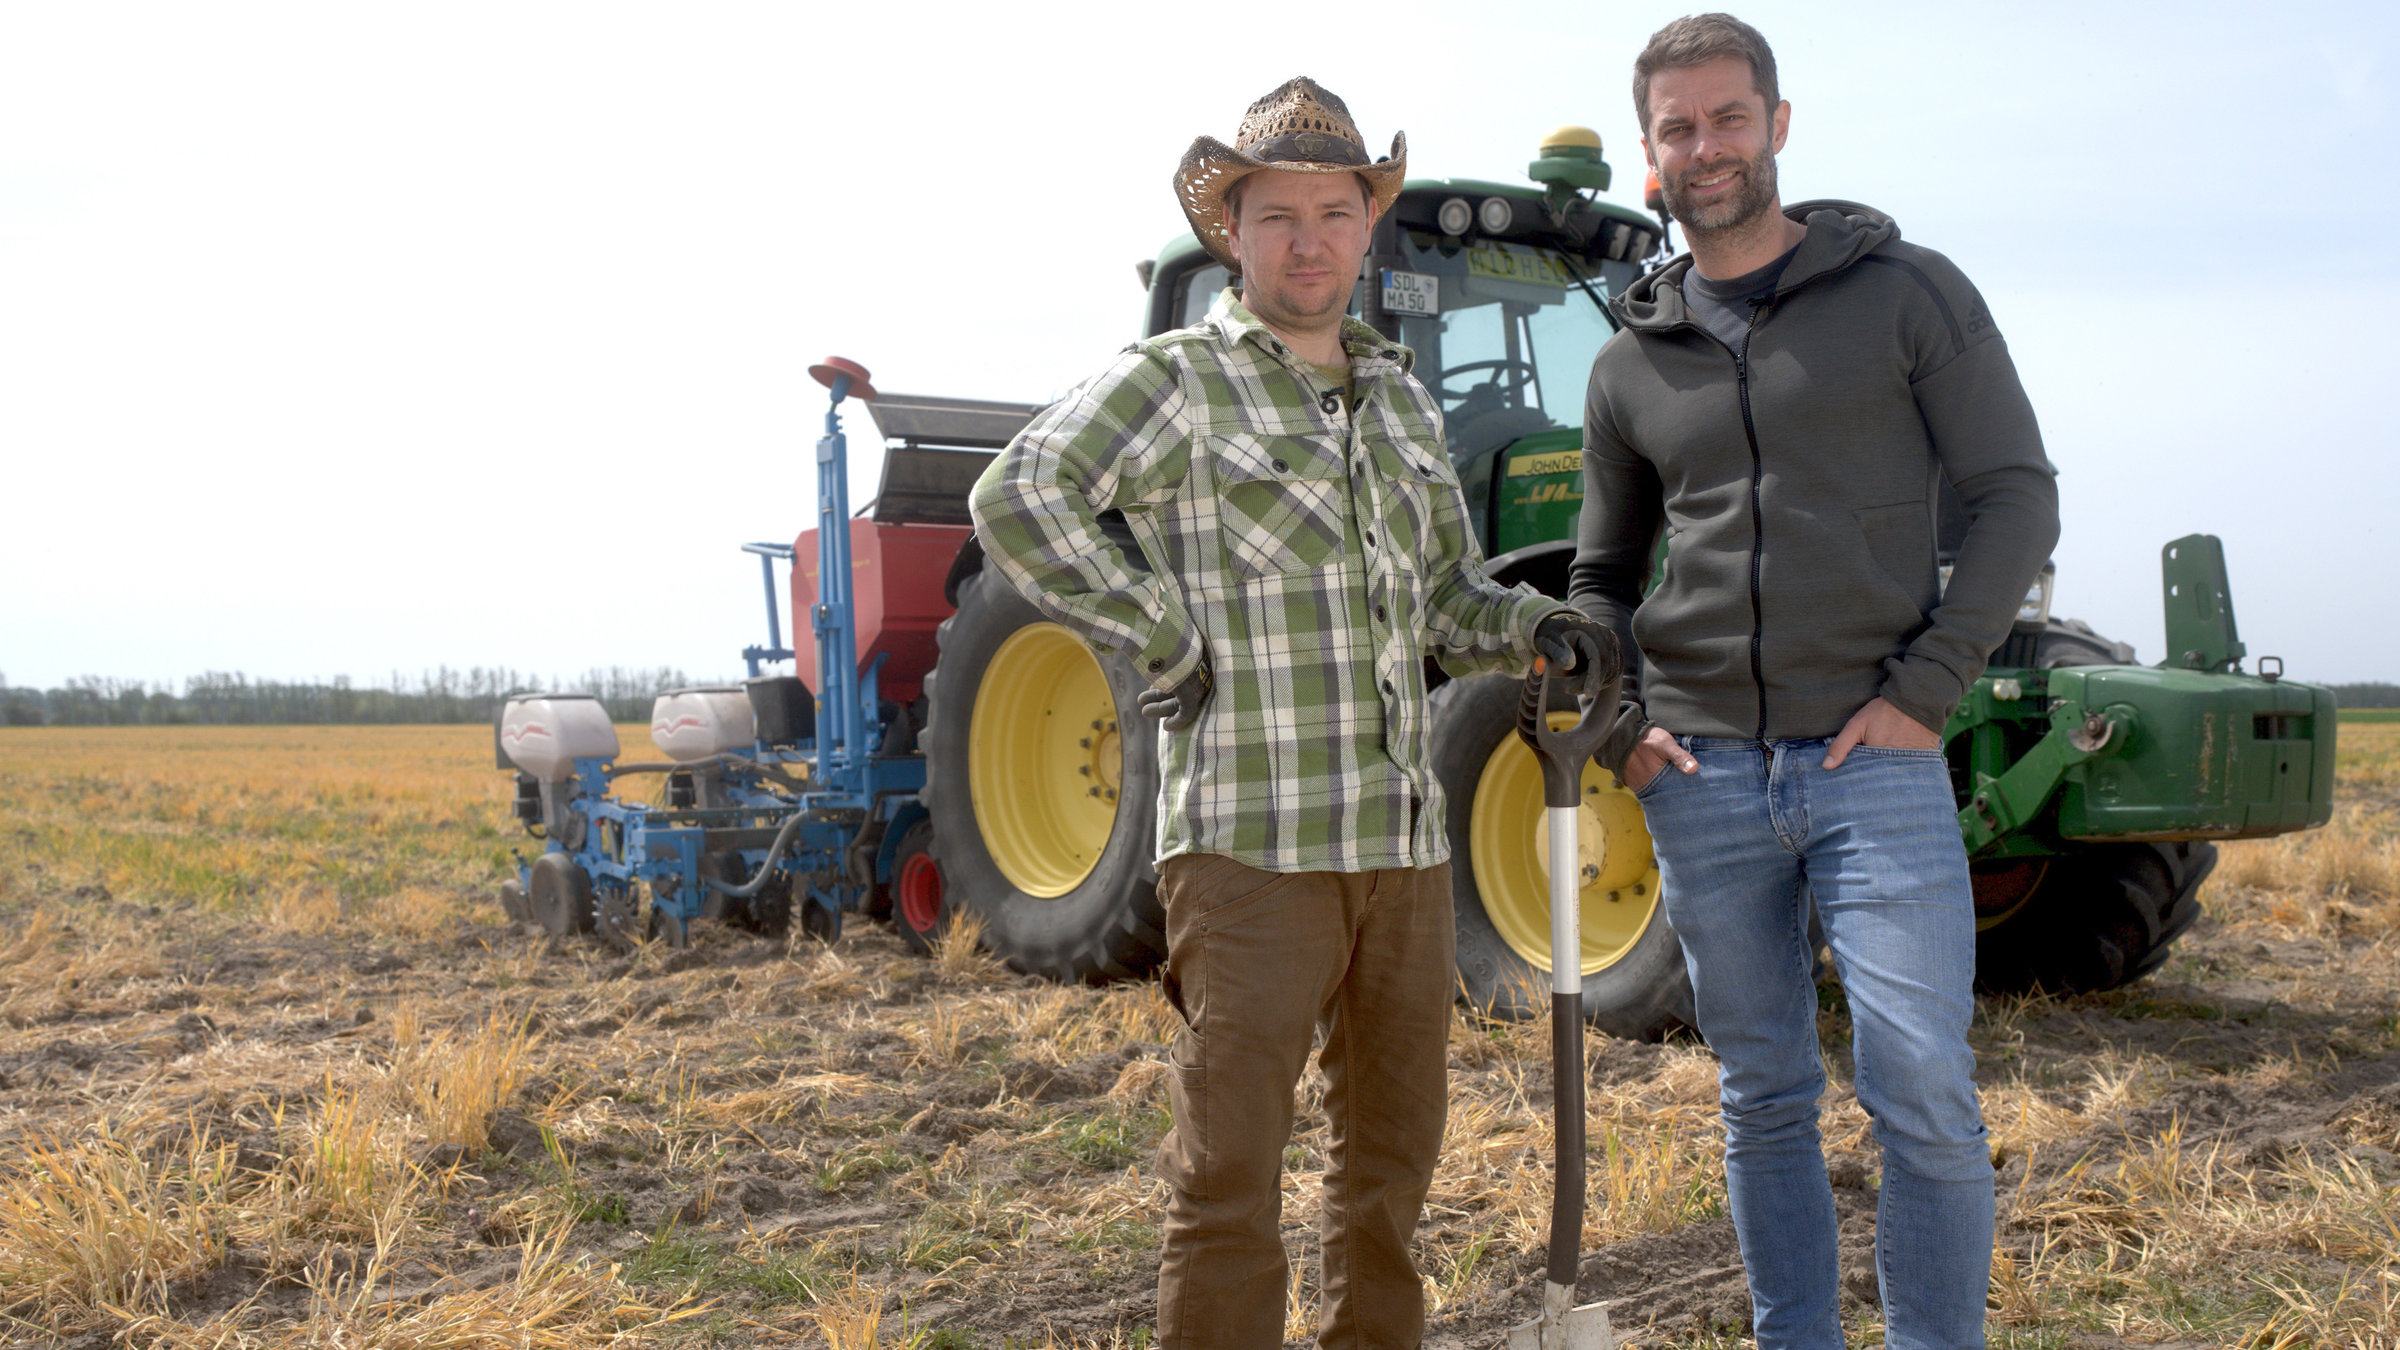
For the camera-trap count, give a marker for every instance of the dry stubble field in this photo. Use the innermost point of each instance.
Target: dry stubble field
(274, 1072)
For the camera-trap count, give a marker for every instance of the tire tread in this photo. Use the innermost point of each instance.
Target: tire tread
(1130, 939)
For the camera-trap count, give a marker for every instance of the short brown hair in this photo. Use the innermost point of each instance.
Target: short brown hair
(1696, 40)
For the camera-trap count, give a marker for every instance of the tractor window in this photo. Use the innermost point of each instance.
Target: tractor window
(1510, 348)
(1196, 290)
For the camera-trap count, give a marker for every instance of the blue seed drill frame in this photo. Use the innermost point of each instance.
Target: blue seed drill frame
(806, 830)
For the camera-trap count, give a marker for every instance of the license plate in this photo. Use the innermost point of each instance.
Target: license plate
(1411, 293)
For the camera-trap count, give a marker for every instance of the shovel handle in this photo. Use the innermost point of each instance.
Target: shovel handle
(1562, 751)
(1566, 1091)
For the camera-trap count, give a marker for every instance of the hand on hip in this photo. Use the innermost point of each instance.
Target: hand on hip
(1880, 724)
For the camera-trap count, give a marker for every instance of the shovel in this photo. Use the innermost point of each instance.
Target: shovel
(1563, 753)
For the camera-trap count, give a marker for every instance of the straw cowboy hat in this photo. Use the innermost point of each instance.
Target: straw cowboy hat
(1299, 127)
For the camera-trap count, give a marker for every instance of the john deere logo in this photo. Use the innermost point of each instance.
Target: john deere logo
(1560, 461)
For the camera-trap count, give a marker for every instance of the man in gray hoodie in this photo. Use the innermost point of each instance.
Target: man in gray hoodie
(1782, 405)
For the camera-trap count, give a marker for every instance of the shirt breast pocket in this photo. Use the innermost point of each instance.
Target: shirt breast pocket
(1281, 502)
(1413, 486)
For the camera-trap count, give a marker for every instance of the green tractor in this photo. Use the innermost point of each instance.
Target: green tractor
(2088, 786)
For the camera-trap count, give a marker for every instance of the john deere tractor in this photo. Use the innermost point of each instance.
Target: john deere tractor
(2088, 786)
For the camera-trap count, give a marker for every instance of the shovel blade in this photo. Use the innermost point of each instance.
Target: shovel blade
(1561, 1327)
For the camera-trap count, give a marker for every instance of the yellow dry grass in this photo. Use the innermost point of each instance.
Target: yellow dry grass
(452, 1082)
(91, 1226)
(555, 1302)
(2336, 882)
(896, 1094)
(2167, 1237)
(386, 829)
(348, 1178)
(959, 954)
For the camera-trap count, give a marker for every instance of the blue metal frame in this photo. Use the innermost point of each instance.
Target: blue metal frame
(774, 650)
(847, 786)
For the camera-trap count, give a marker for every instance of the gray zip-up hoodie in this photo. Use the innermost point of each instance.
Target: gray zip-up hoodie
(1796, 482)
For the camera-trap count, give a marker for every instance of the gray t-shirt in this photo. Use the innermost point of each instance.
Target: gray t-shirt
(1723, 307)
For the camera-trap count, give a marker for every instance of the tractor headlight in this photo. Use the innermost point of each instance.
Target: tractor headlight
(2035, 611)
(1455, 217)
(1497, 214)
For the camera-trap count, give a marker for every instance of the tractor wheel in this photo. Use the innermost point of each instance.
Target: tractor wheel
(2072, 642)
(2095, 918)
(1041, 778)
(1634, 982)
(918, 910)
(560, 896)
(2059, 643)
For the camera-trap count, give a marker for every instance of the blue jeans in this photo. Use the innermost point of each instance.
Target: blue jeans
(1745, 846)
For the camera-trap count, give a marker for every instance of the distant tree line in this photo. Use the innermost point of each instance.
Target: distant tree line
(438, 695)
(221, 699)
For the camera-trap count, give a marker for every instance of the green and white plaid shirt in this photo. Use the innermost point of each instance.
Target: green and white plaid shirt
(1313, 555)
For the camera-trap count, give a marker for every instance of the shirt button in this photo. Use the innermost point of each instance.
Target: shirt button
(1281, 467)
(1158, 665)
(1370, 539)
(1387, 687)
(1381, 616)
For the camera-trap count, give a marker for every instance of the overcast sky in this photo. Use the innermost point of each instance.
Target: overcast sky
(345, 339)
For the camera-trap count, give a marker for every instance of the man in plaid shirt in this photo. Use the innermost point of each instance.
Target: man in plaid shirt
(1304, 545)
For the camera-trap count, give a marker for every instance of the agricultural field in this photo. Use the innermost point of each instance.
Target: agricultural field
(275, 1072)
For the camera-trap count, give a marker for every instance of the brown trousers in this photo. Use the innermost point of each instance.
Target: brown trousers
(1256, 962)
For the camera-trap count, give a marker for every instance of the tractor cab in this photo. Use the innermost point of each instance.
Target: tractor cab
(1501, 292)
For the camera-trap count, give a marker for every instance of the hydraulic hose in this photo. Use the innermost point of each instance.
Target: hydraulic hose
(727, 760)
(766, 870)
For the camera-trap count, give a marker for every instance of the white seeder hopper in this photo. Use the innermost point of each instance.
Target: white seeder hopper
(544, 734)
(696, 724)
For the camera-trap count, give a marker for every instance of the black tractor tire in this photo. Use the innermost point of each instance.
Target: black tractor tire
(920, 906)
(2100, 916)
(560, 895)
(1644, 995)
(2059, 643)
(1108, 925)
(2072, 642)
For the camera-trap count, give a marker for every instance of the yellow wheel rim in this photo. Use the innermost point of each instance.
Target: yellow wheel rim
(1043, 760)
(1509, 836)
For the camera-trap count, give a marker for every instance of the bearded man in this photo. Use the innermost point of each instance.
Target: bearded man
(1304, 546)
(1782, 404)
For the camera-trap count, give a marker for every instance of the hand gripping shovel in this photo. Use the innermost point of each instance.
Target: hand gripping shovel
(1563, 753)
